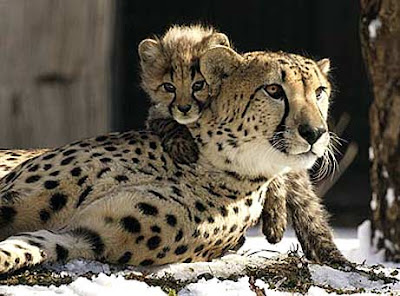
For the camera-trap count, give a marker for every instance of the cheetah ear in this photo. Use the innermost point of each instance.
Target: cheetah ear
(217, 63)
(219, 39)
(324, 65)
(148, 50)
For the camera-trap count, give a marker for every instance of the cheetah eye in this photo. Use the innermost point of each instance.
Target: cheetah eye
(275, 91)
(198, 85)
(169, 87)
(319, 92)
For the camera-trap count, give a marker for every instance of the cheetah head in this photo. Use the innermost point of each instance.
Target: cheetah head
(170, 69)
(271, 110)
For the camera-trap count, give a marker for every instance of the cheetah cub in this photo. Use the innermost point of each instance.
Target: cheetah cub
(171, 77)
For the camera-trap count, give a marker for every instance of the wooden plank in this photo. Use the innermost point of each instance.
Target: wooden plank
(55, 71)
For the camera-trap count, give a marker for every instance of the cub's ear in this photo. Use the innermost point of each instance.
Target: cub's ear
(219, 39)
(148, 50)
(218, 63)
(324, 65)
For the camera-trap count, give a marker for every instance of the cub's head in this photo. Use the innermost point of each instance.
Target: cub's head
(170, 69)
(271, 111)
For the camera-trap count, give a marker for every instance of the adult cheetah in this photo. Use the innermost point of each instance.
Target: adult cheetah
(122, 199)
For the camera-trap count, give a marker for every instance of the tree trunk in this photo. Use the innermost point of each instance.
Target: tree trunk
(54, 73)
(380, 36)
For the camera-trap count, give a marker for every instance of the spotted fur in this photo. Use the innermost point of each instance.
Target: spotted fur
(122, 199)
(9, 159)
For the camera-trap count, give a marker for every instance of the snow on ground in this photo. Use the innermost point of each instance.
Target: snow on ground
(354, 245)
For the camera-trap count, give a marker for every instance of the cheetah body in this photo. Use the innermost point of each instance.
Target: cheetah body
(122, 199)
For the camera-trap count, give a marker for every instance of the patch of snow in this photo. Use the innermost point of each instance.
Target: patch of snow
(101, 285)
(355, 246)
(373, 28)
(385, 173)
(390, 197)
(373, 204)
(371, 153)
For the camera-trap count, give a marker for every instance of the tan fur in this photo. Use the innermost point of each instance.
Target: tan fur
(121, 198)
(9, 159)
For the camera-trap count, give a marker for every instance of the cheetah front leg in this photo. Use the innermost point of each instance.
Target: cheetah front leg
(274, 213)
(310, 221)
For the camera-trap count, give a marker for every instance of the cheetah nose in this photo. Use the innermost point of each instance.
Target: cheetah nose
(184, 108)
(311, 134)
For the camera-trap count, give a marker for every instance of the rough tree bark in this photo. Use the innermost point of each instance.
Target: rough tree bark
(54, 71)
(380, 36)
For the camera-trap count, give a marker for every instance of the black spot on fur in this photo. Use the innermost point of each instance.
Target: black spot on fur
(49, 156)
(139, 239)
(249, 202)
(179, 235)
(121, 178)
(199, 206)
(28, 257)
(50, 184)
(199, 248)
(181, 250)
(58, 201)
(131, 224)
(147, 262)
(103, 171)
(147, 209)
(69, 152)
(47, 166)
(197, 219)
(233, 228)
(188, 260)
(125, 258)
(62, 253)
(135, 160)
(224, 211)
(92, 237)
(82, 180)
(32, 179)
(7, 215)
(76, 172)
(101, 138)
(153, 242)
(138, 151)
(17, 260)
(171, 220)
(55, 173)
(105, 160)
(7, 253)
(155, 229)
(153, 145)
(34, 168)
(210, 219)
(44, 215)
(110, 148)
(83, 195)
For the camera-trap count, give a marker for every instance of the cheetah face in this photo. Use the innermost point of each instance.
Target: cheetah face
(185, 91)
(171, 73)
(279, 104)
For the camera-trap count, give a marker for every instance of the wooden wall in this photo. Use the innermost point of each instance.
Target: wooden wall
(55, 60)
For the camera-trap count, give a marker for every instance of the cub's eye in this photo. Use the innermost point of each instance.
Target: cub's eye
(319, 92)
(275, 91)
(169, 87)
(198, 85)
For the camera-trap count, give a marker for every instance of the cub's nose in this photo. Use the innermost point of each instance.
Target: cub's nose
(184, 108)
(310, 134)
